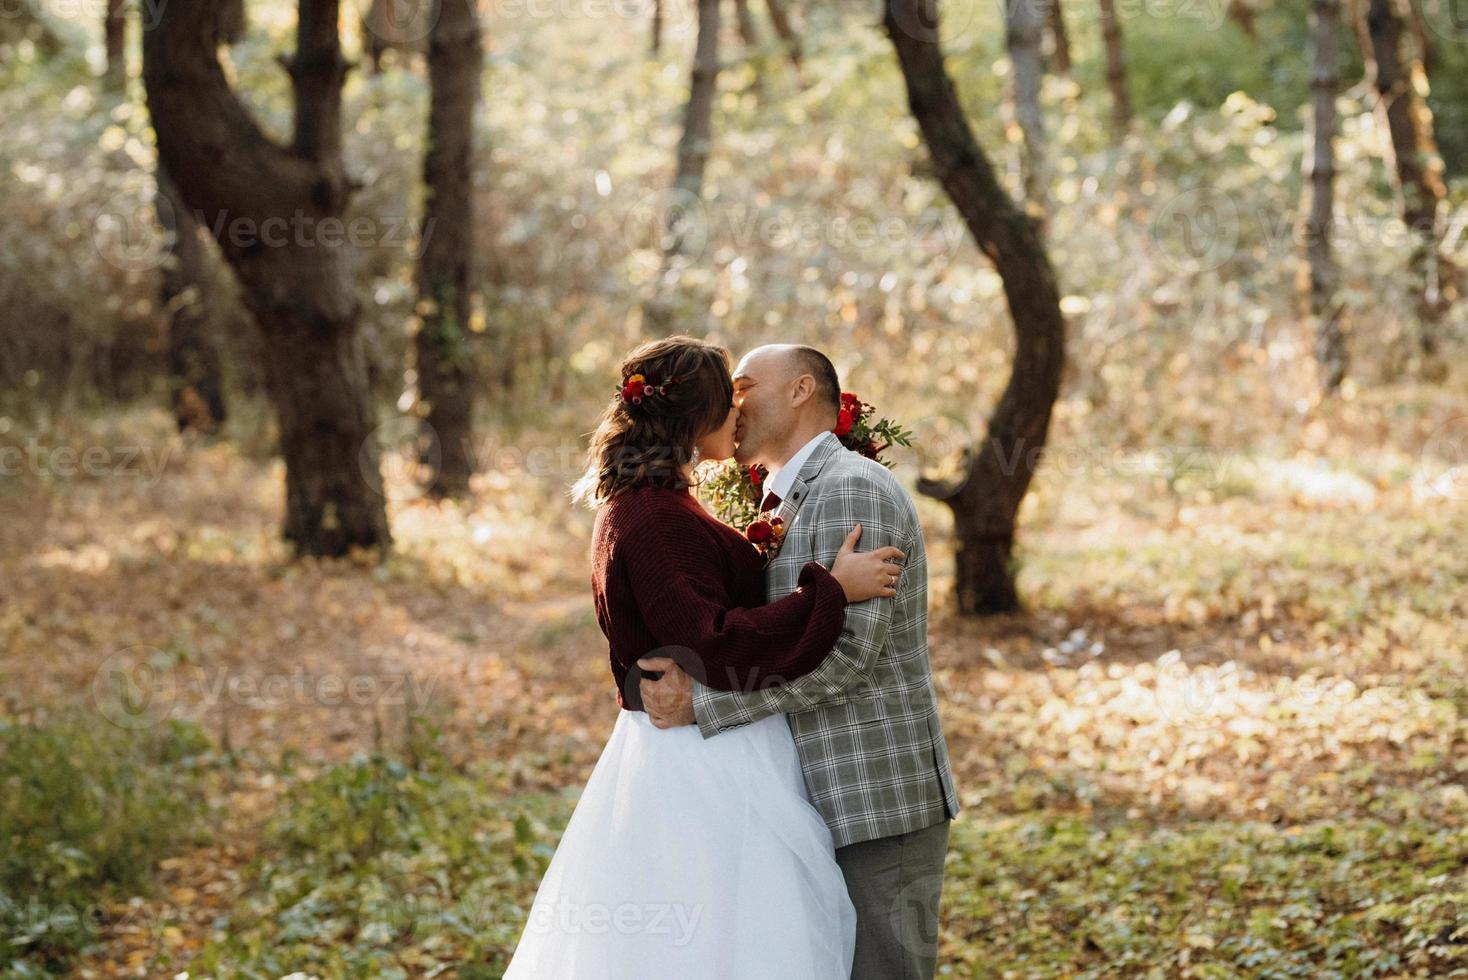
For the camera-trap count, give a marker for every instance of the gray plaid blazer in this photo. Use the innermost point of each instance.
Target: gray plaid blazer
(866, 720)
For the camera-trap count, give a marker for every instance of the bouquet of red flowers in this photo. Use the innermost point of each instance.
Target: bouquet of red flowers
(733, 492)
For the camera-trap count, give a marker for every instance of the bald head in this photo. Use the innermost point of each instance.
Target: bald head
(786, 394)
(792, 361)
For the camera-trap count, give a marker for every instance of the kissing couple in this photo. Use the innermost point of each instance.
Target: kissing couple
(774, 800)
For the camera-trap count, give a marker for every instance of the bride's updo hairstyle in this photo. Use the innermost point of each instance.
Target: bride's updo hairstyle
(671, 393)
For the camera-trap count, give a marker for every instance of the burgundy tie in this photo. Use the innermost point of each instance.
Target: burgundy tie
(771, 501)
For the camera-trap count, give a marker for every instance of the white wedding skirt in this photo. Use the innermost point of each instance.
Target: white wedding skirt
(692, 859)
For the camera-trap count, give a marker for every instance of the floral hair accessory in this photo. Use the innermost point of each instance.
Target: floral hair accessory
(637, 387)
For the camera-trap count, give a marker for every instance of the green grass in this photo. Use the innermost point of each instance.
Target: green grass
(379, 869)
(1053, 895)
(86, 812)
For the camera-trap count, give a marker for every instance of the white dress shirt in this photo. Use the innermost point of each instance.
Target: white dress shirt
(785, 479)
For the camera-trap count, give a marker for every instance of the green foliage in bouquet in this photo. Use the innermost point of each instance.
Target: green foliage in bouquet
(733, 492)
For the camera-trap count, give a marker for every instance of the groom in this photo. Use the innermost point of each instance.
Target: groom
(865, 721)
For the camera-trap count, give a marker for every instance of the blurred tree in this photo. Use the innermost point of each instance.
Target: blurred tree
(277, 213)
(1400, 81)
(693, 153)
(657, 27)
(744, 19)
(1121, 103)
(445, 358)
(996, 475)
(115, 27)
(20, 22)
(1319, 164)
(194, 367)
(1060, 61)
(396, 25)
(232, 22)
(1244, 14)
(1024, 26)
(789, 36)
(698, 113)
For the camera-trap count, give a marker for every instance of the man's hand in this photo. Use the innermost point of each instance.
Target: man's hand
(669, 699)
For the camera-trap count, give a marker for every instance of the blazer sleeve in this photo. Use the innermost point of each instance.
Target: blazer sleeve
(684, 593)
(846, 675)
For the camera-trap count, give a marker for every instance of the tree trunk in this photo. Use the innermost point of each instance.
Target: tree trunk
(657, 27)
(1243, 14)
(277, 214)
(749, 35)
(1417, 167)
(1024, 26)
(1121, 103)
(446, 376)
(1325, 309)
(115, 79)
(232, 22)
(780, 19)
(745, 21)
(997, 472)
(195, 377)
(698, 114)
(693, 152)
(1059, 37)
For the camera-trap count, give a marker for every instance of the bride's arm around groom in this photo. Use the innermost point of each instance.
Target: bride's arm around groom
(866, 720)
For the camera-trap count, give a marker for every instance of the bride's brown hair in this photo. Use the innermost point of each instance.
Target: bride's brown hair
(648, 443)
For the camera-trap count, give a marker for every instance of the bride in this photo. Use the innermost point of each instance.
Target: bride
(692, 858)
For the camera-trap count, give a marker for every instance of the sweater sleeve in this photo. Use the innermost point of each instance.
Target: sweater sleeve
(684, 597)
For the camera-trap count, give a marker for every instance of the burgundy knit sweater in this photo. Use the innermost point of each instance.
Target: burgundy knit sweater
(669, 579)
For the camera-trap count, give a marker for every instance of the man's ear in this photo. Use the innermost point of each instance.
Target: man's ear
(805, 386)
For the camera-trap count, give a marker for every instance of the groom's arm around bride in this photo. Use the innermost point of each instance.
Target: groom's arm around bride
(865, 721)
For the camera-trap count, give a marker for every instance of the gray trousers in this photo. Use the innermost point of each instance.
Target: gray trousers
(895, 883)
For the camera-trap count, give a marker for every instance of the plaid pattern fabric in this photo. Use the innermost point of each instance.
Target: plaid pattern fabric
(865, 721)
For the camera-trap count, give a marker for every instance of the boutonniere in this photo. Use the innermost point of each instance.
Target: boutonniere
(766, 534)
